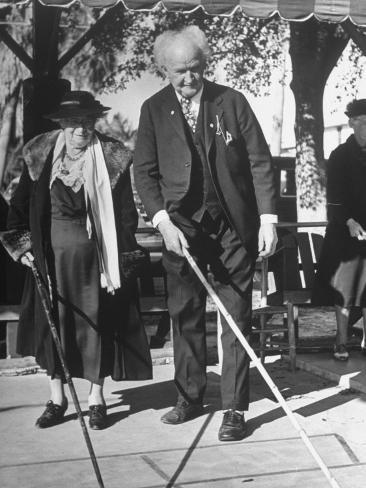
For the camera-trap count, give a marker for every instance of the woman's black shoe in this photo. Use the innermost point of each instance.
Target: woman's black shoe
(52, 415)
(97, 417)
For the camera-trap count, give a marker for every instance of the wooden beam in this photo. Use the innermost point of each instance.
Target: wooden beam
(45, 39)
(357, 35)
(84, 39)
(16, 48)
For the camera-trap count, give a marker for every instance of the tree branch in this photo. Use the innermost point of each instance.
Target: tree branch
(357, 36)
(16, 48)
(84, 39)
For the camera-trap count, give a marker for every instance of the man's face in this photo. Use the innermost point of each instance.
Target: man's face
(358, 125)
(184, 68)
(78, 131)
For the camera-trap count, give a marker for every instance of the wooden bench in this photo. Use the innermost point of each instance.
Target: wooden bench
(152, 286)
(9, 315)
(293, 267)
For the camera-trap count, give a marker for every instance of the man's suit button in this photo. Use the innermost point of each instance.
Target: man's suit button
(187, 164)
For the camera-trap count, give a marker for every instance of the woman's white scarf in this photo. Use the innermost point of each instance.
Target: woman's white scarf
(98, 195)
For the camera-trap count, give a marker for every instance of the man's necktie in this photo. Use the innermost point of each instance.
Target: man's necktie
(186, 104)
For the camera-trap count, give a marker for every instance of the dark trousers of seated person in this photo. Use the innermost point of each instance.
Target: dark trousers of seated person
(215, 244)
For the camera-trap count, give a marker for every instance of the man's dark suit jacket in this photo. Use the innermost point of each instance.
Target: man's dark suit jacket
(241, 167)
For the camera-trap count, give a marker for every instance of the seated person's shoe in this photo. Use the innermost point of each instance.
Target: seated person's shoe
(182, 412)
(340, 353)
(52, 415)
(233, 427)
(97, 417)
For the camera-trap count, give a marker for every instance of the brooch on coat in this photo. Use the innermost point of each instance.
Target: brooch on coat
(219, 132)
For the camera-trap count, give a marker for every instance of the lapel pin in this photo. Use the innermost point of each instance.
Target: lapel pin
(229, 138)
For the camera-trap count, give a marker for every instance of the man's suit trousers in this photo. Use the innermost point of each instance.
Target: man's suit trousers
(216, 245)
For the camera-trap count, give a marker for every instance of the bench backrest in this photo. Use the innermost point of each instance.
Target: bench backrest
(301, 252)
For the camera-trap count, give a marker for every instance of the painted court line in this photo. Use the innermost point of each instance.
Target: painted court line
(158, 470)
(251, 476)
(187, 450)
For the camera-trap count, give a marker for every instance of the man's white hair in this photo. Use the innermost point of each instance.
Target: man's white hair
(190, 34)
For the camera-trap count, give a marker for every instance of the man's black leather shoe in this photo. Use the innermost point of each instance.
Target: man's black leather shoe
(233, 427)
(52, 415)
(97, 417)
(182, 412)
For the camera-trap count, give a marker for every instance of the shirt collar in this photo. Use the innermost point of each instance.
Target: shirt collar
(196, 99)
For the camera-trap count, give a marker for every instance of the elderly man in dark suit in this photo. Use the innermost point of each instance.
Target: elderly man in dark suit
(204, 174)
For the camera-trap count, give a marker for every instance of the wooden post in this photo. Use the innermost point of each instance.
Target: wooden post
(40, 96)
(43, 92)
(45, 40)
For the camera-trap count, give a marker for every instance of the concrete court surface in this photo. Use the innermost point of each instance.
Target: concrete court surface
(349, 374)
(138, 451)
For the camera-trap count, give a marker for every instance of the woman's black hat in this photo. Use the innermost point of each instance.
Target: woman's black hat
(78, 104)
(356, 107)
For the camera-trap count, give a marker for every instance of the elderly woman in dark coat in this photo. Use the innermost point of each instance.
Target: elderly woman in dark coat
(341, 278)
(73, 213)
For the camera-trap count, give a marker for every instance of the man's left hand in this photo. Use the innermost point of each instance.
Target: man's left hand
(267, 240)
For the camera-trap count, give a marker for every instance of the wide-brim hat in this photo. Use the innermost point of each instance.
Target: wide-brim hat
(78, 104)
(356, 108)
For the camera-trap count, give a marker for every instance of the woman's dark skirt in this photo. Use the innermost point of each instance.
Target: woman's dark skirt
(341, 276)
(101, 333)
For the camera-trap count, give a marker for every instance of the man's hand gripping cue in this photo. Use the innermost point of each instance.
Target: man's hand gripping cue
(267, 240)
(174, 239)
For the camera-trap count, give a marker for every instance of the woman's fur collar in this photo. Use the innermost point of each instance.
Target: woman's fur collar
(35, 152)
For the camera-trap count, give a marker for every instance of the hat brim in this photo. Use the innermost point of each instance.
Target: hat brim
(66, 113)
(351, 115)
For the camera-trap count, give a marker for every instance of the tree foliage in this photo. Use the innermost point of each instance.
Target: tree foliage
(12, 69)
(89, 68)
(347, 82)
(247, 50)
(118, 127)
(315, 48)
(12, 72)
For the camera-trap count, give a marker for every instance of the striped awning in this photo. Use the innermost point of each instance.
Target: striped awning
(325, 10)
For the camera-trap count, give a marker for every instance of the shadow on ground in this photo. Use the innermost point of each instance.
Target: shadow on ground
(162, 395)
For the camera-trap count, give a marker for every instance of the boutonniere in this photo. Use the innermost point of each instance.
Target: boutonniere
(219, 132)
